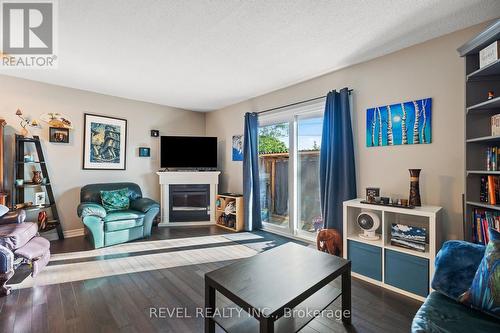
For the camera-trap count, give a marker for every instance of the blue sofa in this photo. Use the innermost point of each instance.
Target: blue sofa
(456, 265)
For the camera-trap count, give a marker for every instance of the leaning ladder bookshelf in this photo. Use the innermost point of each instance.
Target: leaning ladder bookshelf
(478, 112)
(18, 196)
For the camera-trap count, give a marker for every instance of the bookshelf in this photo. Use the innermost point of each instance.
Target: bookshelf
(234, 222)
(478, 112)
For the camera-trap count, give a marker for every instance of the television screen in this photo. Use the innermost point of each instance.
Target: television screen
(188, 152)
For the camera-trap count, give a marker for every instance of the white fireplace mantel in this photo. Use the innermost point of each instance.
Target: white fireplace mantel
(168, 178)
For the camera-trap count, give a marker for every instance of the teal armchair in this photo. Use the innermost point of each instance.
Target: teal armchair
(110, 228)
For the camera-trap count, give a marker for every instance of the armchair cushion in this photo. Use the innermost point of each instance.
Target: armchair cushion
(14, 236)
(143, 204)
(3, 210)
(126, 214)
(115, 200)
(92, 192)
(91, 209)
(17, 216)
(442, 314)
(455, 267)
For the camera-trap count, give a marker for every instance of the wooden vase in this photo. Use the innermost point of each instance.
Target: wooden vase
(415, 187)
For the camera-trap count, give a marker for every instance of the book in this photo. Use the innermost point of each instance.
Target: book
(495, 125)
(482, 220)
(483, 190)
(408, 245)
(492, 196)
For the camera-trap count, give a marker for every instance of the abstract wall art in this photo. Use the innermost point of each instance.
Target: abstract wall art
(399, 124)
(105, 143)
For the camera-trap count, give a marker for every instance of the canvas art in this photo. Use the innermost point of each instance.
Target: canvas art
(399, 124)
(237, 147)
(104, 143)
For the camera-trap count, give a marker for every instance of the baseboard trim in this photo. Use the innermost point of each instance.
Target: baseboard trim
(74, 233)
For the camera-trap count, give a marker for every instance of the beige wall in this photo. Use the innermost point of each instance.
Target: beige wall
(65, 160)
(431, 69)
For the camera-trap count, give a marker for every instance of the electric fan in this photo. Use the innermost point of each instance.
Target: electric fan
(369, 223)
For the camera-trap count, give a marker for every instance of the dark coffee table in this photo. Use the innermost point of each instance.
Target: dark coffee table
(274, 284)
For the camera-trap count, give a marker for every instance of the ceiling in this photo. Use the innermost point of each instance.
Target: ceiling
(207, 54)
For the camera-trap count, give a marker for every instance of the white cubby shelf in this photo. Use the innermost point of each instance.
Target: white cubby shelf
(424, 216)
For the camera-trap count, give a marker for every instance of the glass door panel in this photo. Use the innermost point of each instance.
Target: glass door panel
(273, 174)
(308, 145)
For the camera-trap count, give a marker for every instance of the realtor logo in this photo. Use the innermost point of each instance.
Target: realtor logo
(27, 28)
(28, 34)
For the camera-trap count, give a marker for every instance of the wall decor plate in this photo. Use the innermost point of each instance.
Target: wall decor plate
(104, 143)
(399, 124)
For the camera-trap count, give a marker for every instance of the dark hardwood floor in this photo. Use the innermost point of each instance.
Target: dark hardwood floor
(124, 302)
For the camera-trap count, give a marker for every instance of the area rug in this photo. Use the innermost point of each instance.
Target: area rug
(138, 257)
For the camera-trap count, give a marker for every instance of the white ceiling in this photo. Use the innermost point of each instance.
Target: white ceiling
(206, 54)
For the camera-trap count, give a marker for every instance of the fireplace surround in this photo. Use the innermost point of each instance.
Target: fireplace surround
(188, 197)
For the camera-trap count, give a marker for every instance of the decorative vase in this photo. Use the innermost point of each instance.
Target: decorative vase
(415, 187)
(37, 177)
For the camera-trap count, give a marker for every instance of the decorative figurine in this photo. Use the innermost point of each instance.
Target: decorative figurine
(42, 220)
(37, 177)
(25, 123)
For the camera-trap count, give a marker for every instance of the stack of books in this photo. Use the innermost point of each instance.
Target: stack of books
(489, 191)
(409, 237)
(492, 159)
(482, 220)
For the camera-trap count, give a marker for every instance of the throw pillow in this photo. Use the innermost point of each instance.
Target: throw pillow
(3, 210)
(115, 200)
(484, 293)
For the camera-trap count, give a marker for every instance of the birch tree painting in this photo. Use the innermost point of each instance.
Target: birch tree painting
(399, 124)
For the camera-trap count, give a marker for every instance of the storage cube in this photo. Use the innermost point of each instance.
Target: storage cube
(365, 259)
(407, 272)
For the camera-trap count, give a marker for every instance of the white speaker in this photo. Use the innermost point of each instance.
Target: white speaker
(369, 223)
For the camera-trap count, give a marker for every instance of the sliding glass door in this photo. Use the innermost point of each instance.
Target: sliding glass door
(308, 145)
(274, 160)
(289, 143)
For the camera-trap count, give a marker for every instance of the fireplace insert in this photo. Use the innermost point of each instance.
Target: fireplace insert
(189, 203)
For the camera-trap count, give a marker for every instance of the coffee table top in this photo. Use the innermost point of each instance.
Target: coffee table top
(278, 277)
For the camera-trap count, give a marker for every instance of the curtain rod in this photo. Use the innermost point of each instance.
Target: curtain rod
(296, 103)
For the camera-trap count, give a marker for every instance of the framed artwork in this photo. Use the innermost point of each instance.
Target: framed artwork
(237, 145)
(144, 152)
(405, 123)
(104, 143)
(39, 198)
(58, 135)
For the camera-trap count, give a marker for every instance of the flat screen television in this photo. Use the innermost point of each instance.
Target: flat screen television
(188, 152)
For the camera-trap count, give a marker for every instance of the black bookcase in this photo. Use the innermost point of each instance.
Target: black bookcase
(18, 196)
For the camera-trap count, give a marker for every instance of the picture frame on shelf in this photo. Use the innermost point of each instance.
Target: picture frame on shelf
(104, 143)
(39, 198)
(58, 135)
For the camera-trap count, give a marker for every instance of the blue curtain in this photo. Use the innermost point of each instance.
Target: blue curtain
(337, 172)
(251, 190)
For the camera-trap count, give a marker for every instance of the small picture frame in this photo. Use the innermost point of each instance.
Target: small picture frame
(58, 135)
(155, 133)
(39, 199)
(372, 193)
(144, 152)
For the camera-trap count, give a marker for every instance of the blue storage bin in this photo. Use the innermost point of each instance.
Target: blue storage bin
(365, 259)
(407, 272)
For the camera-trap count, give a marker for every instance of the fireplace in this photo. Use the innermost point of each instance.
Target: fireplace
(189, 203)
